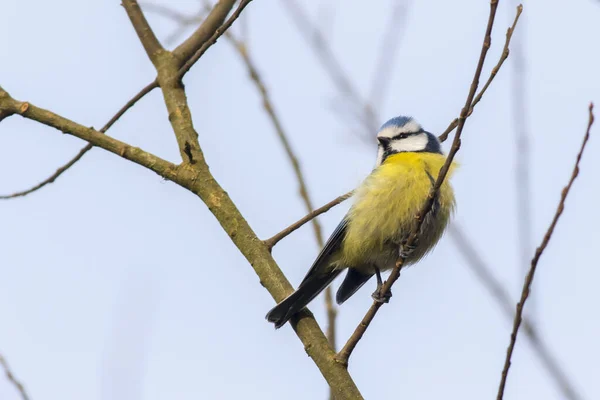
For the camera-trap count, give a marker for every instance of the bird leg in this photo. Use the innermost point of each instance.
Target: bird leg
(377, 295)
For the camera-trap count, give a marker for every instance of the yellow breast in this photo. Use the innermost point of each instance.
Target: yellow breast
(386, 204)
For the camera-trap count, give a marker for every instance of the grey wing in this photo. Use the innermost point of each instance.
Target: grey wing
(333, 244)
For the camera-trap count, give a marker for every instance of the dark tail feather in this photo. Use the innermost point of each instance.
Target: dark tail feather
(308, 290)
(352, 282)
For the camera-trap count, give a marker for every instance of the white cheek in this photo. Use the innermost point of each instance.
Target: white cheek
(411, 143)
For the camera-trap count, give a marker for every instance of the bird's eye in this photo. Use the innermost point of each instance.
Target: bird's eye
(402, 136)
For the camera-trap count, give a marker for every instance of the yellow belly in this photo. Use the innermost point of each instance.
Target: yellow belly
(385, 206)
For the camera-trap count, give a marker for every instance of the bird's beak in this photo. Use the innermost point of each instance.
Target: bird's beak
(384, 141)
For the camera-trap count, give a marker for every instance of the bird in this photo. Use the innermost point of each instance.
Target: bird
(373, 234)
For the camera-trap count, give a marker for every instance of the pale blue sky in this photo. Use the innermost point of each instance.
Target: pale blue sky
(118, 285)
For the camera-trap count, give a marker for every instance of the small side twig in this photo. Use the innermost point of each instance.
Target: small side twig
(538, 253)
(495, 70)
(212, 40)
(307, 218)
(360, 330)
(147, 89)
(205, 31)
(11, 377)
(143, 92)
(486, 277)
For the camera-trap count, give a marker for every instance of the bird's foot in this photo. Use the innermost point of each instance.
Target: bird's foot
(406, 250)
(380, 297)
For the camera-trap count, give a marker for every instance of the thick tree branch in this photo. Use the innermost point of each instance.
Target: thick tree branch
(143, 29)
(199, 181)
(11, 377)
(147, 89)
(538, 253)
(360, 330)
(205, 31)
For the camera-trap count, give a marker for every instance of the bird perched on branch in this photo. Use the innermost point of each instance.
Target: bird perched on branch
(372, 236)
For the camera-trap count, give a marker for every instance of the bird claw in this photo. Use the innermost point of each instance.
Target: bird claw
(381, 297)
(406, 250)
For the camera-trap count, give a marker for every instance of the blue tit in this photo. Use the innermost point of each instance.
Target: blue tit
(371, 235)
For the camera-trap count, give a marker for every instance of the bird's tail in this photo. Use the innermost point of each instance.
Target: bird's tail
(306, 292)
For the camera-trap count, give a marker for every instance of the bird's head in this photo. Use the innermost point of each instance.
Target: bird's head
(404, 134)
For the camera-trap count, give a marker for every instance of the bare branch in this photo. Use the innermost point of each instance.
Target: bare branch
(11, 377)
(271, 242)
(87, 147)
(538, 253)
(143, 29)
(147, 89)
(204, 32)
(487, 279)
(213, 39)
(503, 57)
(199, 181)
(242, 50)
(360, 330)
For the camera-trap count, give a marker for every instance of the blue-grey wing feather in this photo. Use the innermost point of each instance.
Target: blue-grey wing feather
(333, 244)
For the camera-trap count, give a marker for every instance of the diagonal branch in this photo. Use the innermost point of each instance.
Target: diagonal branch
(487, 279)
(271, 242)
(11, 377)
(213, 39)
(360, 330)
(200, 181)
(538, 253)
(147, 89)
(495, 70)
(142, 28)
(242, 50)
(205, 31)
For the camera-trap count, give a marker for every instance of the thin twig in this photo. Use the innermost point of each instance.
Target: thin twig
(147, 89)
(487, 279)
(307, 218)
(503, 57)
(205, 31)
(360, 330)
(538, 253)
(11, 377)
(87, 147)
(213, 39)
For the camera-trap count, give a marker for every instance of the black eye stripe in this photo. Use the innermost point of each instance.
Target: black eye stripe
(405, 135)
